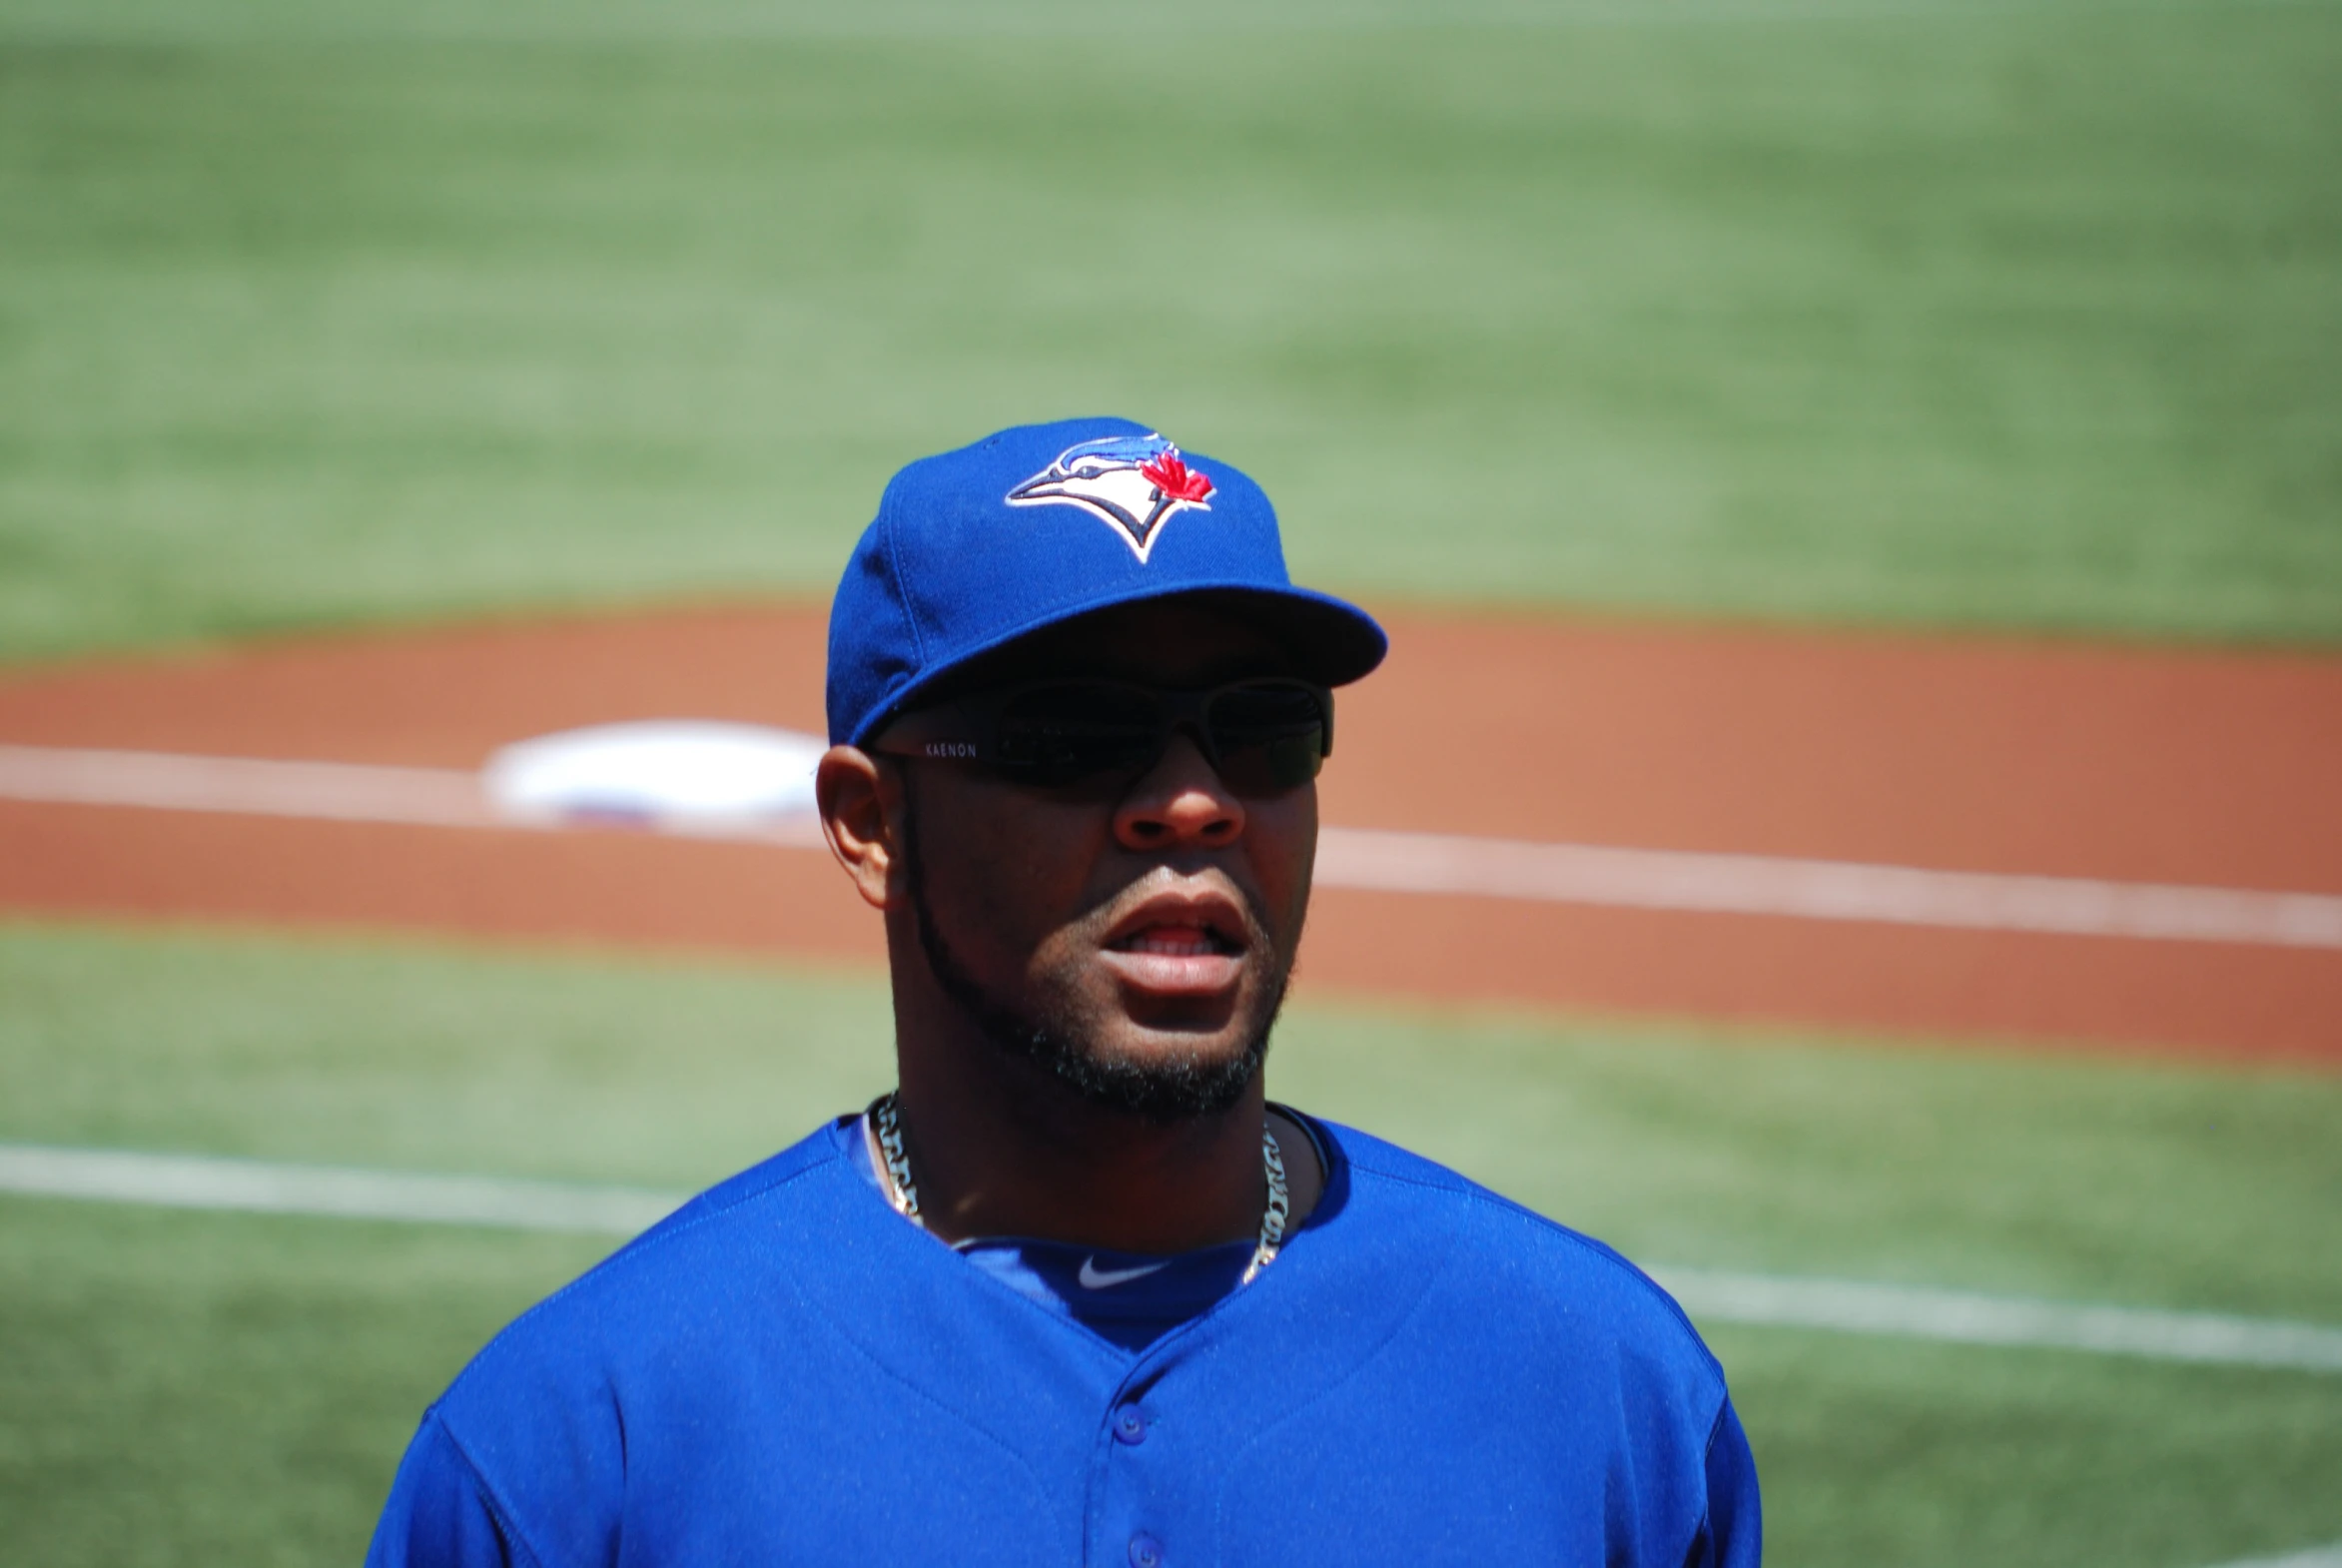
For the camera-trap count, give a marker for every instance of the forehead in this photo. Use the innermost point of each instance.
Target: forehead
(1166, 642)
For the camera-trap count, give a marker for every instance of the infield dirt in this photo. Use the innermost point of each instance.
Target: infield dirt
(2215, 768)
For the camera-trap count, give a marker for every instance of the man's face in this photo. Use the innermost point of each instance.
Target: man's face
(1134, 936)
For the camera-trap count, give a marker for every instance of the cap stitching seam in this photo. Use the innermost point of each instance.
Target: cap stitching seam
(902, 592)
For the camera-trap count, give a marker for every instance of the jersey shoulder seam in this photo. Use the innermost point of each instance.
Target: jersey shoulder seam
(1706, 1528)
(1428, 1280)
(658, 1235)
(500, 1508)
(1471, 1191)
(822, 1315)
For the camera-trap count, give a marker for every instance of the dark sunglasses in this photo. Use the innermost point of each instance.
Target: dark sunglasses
(1262, 736)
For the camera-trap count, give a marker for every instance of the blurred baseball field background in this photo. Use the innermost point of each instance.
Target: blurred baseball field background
(1899, 313)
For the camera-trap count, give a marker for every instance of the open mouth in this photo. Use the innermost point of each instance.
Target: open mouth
(1176, 941)
(1183, 944)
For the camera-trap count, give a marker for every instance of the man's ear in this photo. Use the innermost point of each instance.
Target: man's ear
(861, 814)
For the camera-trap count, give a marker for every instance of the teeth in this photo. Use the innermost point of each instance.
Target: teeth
(1171, 946)
(1176, 941)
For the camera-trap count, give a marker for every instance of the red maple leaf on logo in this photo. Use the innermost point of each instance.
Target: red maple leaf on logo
(1176, 479)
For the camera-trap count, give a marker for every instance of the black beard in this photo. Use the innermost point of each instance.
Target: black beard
(1177, 1088)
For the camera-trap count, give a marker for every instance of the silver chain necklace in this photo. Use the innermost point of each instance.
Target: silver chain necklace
(885, 1121)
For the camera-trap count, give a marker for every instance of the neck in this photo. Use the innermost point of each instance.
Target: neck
(1033, 1159)
(1001, 1146)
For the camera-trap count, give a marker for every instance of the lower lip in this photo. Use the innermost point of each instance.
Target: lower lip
(1176, 973)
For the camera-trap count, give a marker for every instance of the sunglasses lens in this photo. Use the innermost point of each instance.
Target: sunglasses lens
(1270, 735)
(1062, 733)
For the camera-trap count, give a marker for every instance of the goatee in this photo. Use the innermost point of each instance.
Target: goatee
(1163, 1090)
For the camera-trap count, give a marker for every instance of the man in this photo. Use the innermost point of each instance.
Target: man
(1074, 1292)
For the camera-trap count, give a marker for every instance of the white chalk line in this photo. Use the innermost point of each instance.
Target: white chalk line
(1772, 1300)
(2315, 1557)
(1974, 1317)
(1727, 884)
(733, 21)
(337, 1191)
(335, 791)
(1366, 859)
(330, 791)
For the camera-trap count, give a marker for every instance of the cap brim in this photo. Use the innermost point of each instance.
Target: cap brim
(1331, 641)
(1334, 642)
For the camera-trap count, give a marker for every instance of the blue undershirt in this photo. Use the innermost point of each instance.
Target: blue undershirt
(1129, 1299)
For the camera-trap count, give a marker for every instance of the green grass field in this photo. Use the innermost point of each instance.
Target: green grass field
(2015, 315)
(237, 1388)
(1896, 311)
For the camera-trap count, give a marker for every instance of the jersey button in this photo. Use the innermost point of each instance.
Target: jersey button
(1145, 1552)
(1130, 1427)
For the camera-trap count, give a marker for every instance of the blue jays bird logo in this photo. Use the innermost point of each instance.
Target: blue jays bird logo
(1134, 483)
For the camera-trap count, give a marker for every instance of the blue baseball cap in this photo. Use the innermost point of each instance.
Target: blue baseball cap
(975, 548)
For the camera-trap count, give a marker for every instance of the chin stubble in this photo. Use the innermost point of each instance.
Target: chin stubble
(1174, 1089)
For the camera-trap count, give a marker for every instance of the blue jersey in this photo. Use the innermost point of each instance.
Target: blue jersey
(784, 1371)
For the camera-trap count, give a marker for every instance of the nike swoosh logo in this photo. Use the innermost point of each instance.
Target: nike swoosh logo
(1093, 1277)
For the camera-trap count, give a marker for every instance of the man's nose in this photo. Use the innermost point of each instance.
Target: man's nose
(1179, 803)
